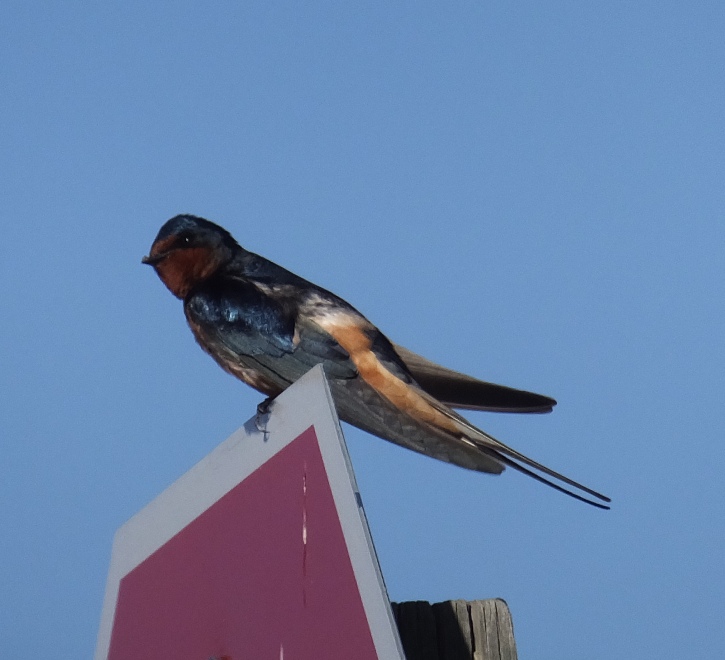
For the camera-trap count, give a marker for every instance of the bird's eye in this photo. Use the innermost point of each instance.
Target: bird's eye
(185, 239)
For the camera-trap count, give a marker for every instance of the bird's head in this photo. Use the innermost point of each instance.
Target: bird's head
(188, 250)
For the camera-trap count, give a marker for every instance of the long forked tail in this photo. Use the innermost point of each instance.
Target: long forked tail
(488, 445)
(552, 484)
(501, 452)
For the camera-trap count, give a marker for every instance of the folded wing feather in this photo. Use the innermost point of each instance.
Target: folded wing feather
(461, 391)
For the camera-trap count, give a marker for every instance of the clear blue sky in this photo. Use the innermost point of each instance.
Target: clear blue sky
(531, 193)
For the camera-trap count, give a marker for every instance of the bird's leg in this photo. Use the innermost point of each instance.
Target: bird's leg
(264, 407)
(263, 410)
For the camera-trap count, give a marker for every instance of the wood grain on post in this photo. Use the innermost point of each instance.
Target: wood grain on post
(456, 630)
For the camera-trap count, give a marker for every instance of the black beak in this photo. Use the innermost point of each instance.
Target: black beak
(152, 261)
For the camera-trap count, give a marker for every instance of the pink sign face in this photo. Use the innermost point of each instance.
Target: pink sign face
(262, 573)
(260, 551)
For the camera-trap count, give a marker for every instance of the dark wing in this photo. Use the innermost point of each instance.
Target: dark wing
(461, 391)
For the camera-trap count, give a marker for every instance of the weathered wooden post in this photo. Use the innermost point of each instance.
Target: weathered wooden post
(456, 630)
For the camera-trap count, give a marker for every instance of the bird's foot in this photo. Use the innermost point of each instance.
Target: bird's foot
(264, 407)
(262, 417)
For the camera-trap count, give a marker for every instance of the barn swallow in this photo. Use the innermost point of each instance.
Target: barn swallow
(268, 327)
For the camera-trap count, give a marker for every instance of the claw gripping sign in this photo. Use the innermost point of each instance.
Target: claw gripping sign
(261, 551)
